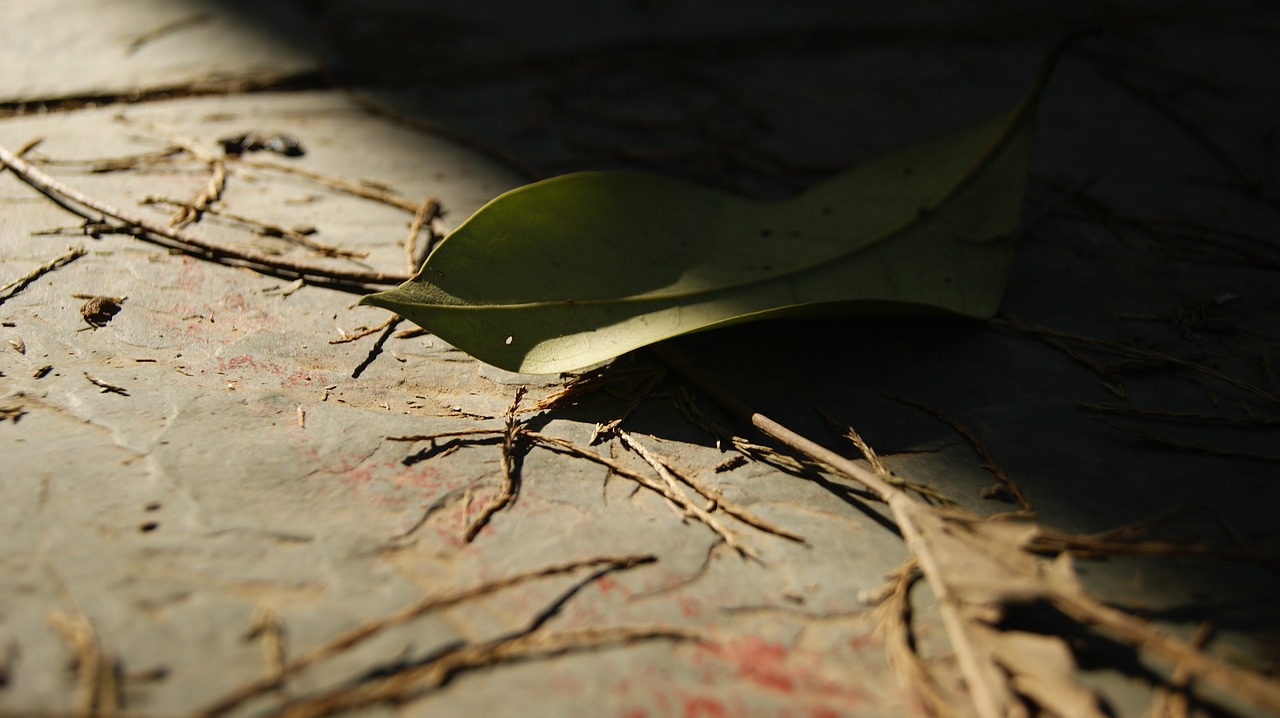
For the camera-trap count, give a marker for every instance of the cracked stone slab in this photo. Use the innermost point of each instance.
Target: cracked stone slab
(241, 468)
(245, 470)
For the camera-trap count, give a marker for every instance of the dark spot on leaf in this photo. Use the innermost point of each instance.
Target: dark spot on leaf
(148, 527)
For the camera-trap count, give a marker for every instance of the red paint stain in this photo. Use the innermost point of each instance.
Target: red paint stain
(773, 667)
(689, 607)
(288, 376)
(702, 707)
(759, 661)
(607, 584)
(390, 483)
(861, 641)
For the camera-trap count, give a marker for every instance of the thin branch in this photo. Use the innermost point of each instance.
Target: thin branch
(510, 474)
(674, 490)
(68, 198)
(447, 435)
(362, 633)
(682, 503)
(877, 464)
(1131, 351)
(1142, 412)
(1252, 687)
(264, 229)
(377, 194)
(191, 211)
(362, 332)
(1193, 446)
(988, 461)
(427, 211)
(893, 625)
(415, 680)
(9, 290)
(376, 349)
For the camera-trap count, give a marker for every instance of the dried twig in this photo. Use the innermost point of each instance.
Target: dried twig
(1194, 447)
(1174, 702)
(673, 490)
(362, 332)
(10, 289)
(106, 387)
(427, 211)
(510, 475)
(417, 679)
(268, 626)
(636, 393)
(1053, 543)
(893, 625)
(367, 191)
(1052, 207)
(98, 690)
(1245, 179)
(1131, 351)
(390, 327)
(926, 530)
(682, 504)
(679, 499)
(1142, 412)
(447, 435)
(191, 211)
(264, 229)
(877, 464)
(362, 633)
(1007, 484)
(755, 452)
(78, 203)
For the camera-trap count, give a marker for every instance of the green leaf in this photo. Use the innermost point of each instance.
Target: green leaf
(574, 270)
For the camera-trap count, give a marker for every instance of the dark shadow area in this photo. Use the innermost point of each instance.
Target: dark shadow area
(766, 98)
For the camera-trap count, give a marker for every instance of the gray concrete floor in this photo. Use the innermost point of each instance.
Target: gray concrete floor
(241, 467)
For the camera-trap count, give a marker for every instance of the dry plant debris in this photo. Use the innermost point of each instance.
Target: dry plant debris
(668, 483)
(99, 213)
(979, 569)
(1005, 489)
(404, 681)
(98, 689)
(17, 285)
(98, 310)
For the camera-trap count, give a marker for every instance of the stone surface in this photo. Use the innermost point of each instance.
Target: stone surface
(244, 466)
